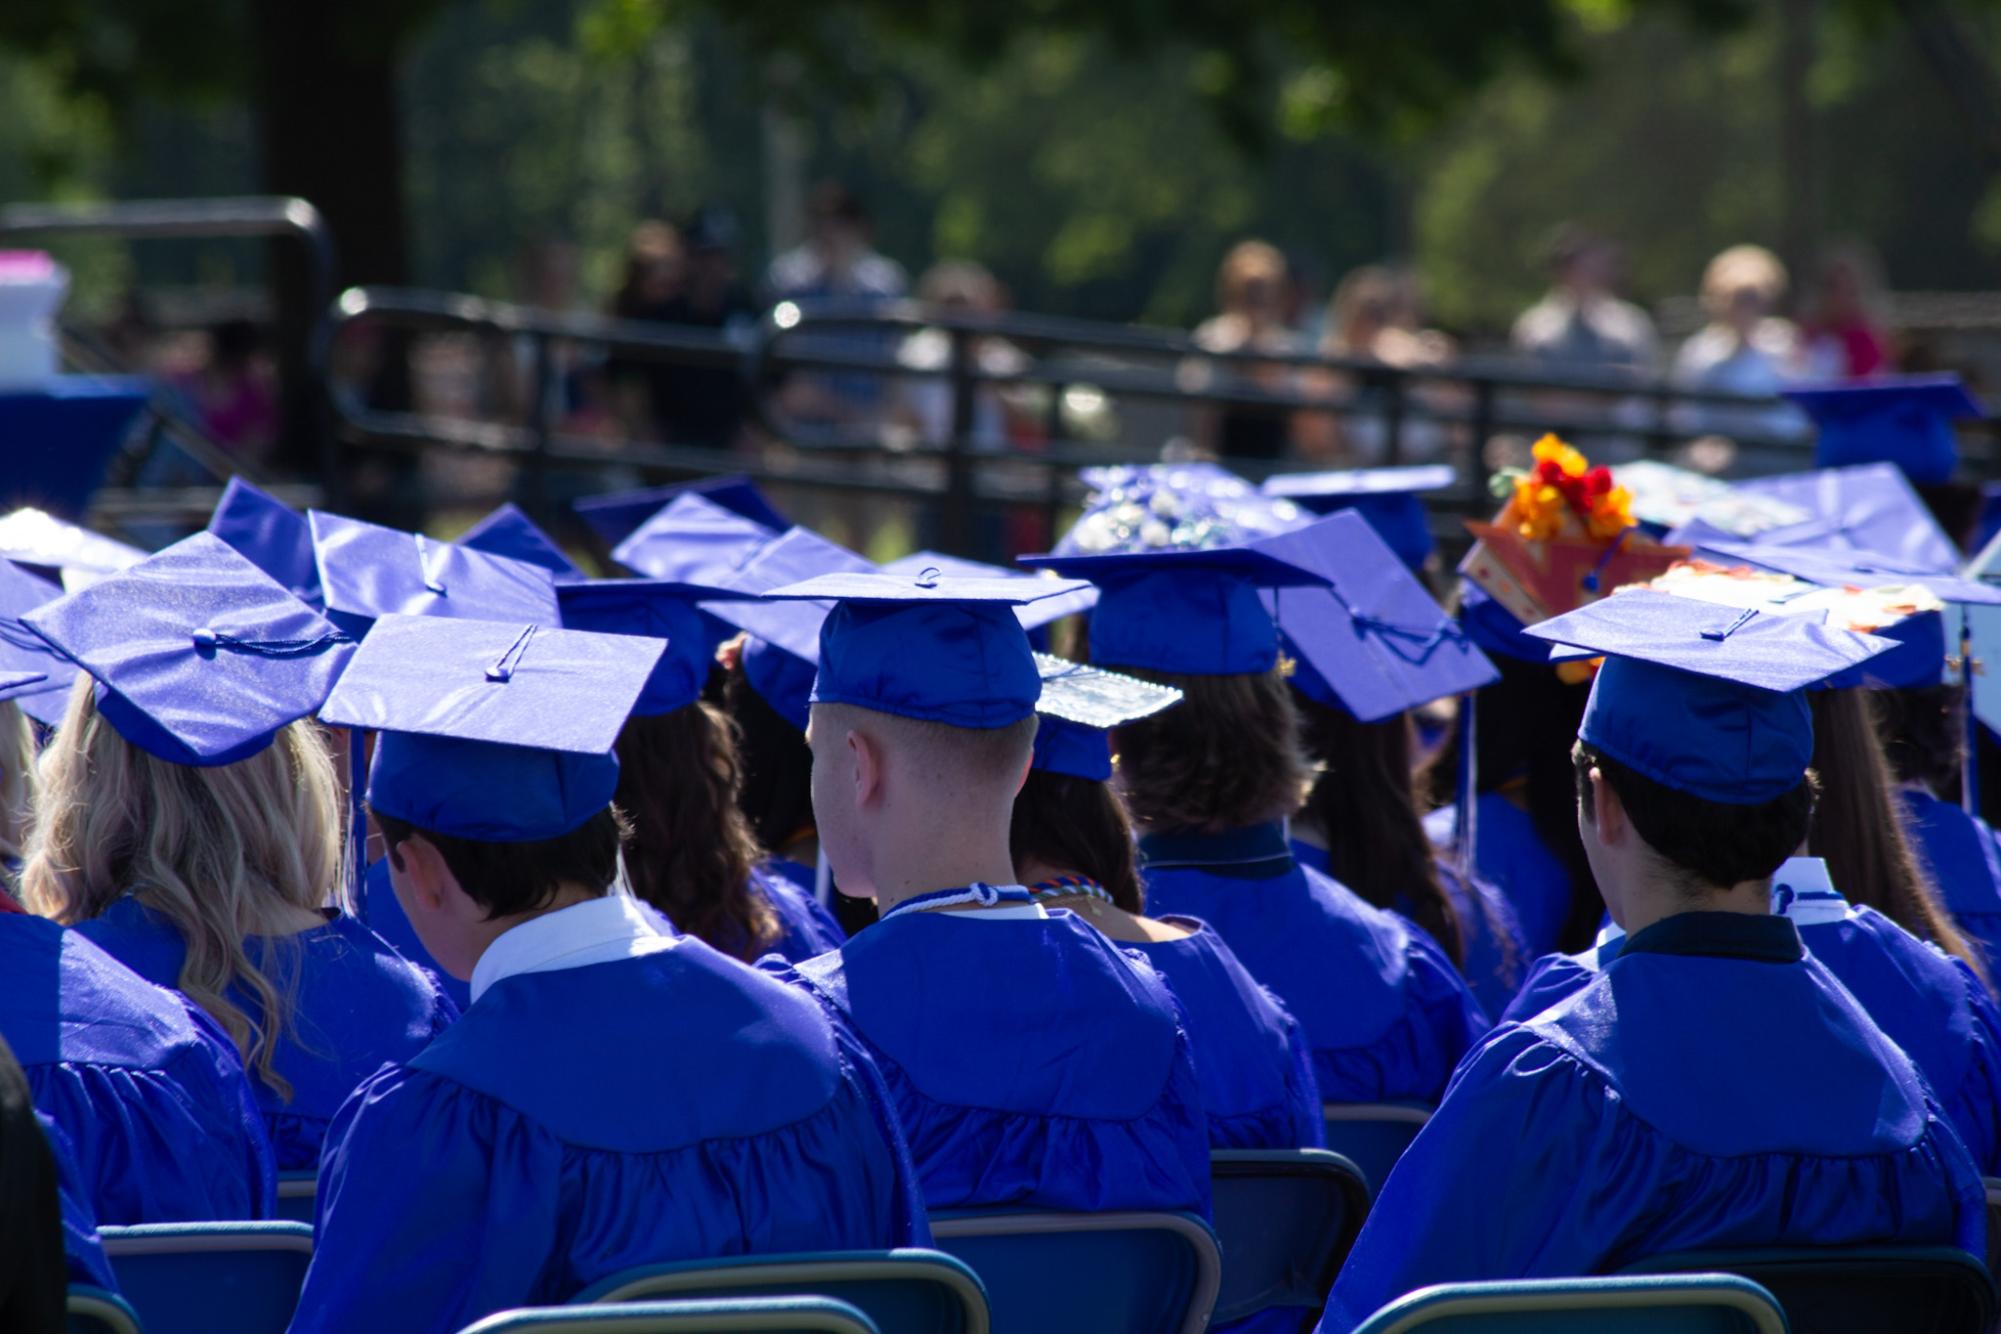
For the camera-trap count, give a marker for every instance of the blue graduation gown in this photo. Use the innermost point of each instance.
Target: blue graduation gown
(1033, 1063)
(1960, 852)
(1491, 934)
(1932, 1005)
(1646, 1113)
(676, 1105)
(356, 1004)
(1251, 1057)
(158, 1120)
(83, 1252)
(806, 929)
(1511, 855)
(1386, 1014)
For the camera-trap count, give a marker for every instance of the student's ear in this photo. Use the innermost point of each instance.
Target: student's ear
(1609, 813)
(868, 767)
(423, 875)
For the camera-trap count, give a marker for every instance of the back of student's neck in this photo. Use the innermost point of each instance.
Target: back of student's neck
(1662, 899)
(908, 882)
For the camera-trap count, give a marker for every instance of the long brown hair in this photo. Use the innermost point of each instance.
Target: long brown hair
(1227, 757)
(1076, 825)
(691, 849)
(1364, 805)
(1857, 830)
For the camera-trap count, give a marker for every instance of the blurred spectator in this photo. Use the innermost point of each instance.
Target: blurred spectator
(837, 263)
(1581, 324)
(1251, 295)
(235, 395)
(924, 403)
(653, 278)
(707, 405)
(1376, 314)
(1846, 327)
(1744, 348)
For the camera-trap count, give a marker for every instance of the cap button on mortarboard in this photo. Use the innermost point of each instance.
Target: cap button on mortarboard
(929, 577)
(1719, 635)
(205, 641)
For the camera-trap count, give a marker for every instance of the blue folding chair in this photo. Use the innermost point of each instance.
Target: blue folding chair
(210, 1278)
(1110, 1273)
(905, 1291)
(1993, 1225)
(1286, 1218)
(1373, 1135)
(735, 1315)
(1680, 1304)
(95, 1311)
(1835, 1289)
(297, 1193)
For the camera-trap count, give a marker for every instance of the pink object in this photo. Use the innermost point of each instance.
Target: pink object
(27, 266)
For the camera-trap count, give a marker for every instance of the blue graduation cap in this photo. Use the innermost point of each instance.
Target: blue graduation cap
(16, 684)
(1079, 706)
(368, 571)
(1034, 615)
(1901, 419)
(616, 517)
(661, 609)
(1196, 612)
(926, 646)
(199, 656)
(1373, 641)
(1851, 568)
(1705, 699)
(491, 731)
(781, 653)
(691, 537)
(1870, 508)
(22, 651)
(270, 534)
(507, 531)
(1172, 506)
(75, 555)
(1391, 499)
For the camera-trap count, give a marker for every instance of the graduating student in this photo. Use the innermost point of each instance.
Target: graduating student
(1034, 1063)
(1073, 848)
(1211, 782)
(191, 827)
(1642, 1113)
(1924, 732)
(616, 1094)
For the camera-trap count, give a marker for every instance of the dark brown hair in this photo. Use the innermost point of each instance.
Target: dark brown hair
(508, 879)
(1859, 831)
(776, 794)
(1924, 735)
(691, 849)
(1714, 845)
(1076, 825)
(1227, 757)
(1364, 805)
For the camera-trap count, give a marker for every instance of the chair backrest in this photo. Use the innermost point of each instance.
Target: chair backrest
(732, 1315)
(1831, 1290)
(1109, 1273)
(95, 1311)
(1286, 1218)
(210, 1278)
(1658, 1304)
(1372, 1135)
(297, 1193)
(1994, 1225)
(902, 1291)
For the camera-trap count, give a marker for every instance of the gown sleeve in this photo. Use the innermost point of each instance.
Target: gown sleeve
(1414, 1059)
(1975, 1106)
(1302, 1090)
(1552, 978)
(81, 1247)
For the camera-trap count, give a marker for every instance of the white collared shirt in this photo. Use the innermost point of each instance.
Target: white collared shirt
(1802, 891)
(598, 931)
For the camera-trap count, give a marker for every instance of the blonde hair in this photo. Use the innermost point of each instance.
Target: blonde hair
(1248, 262)
(212, 850)
(1738, 267)
(17, 779)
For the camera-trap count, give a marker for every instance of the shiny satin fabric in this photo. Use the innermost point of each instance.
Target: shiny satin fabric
(692, 537)
(1863, 509)
(617, 516)
(1385, 1013)
(1961, 854)
(1033, 1063)
(271, 535)
(1511, 856)
(1644, 1114)
(368, 571)
(356, 1003)
(554, 1119)
(1251, 1057)
(160, 1122)
(509, 532)
(963, 664)
(805, 928)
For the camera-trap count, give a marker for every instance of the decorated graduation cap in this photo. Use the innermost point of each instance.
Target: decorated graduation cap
(1901, 419)
(491, 731)
(1172, 506)
(781, 650)
(616, 517)
(1391, 499)
(1033, 615)
(1373, 641)
(1196, 612)
(24, 652)
(692, 537)
(271, 535)
(507, 531)
(74, 555)
(927, 646)
(1079, 706)
(1705, 699)
(199, 656)
(368, 571)
(1870, 508)
(661, 609)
